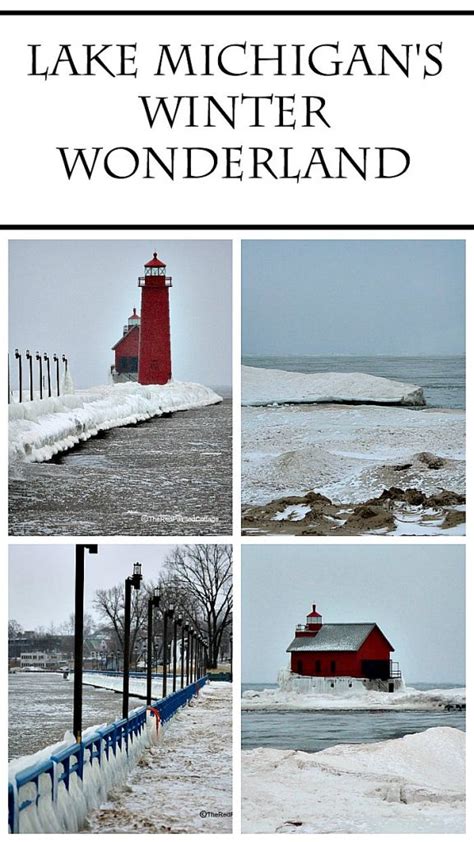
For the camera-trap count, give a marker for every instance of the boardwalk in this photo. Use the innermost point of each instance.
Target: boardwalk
(187, 774)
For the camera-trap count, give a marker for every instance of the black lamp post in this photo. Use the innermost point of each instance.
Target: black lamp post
(56, 360)
(20, 375)
(198, 656)
(191, 657)
(153, 602)
(231, 656)
(79, 637)
(48, 369)
(30, 360)
(184, 628)
(168, 615)
(40, 360)
(177, 623)
(130, 582)
(64, 359)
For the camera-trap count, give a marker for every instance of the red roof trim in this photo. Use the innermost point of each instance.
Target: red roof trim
(155, 261)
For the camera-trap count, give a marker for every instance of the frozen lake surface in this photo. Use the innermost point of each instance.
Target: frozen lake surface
(46, 702)
(166, 476)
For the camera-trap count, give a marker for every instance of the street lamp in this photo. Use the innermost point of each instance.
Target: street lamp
(20, 375)
(56, 360)
(184, 628)
(48, 369)
(64, 359)
(191, 657)
(231, 656)
(177, 623)
(79, 637)
(40, 360)
(132, 581)
(168, 615)
(30, 360)
(153, 602)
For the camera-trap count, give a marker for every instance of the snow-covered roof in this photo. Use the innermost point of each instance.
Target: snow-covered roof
(334, 637)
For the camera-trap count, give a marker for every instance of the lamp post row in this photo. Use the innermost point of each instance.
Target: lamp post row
(40, 358)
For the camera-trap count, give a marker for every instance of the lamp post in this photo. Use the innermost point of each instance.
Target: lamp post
(64, 359)
(198, 656)
(168, 615)
(20, 375)
(191, 657)
(79, 637)
(177, 623)
(153, 602)
(231, 657)
(48, 369)
(188, 652)
(132, 581)
(40, 360)
(30, 361)
(184, 628)
(56, 360)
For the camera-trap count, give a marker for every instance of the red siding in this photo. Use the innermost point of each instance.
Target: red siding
(127, 346)
(155, 342)
(375, 647)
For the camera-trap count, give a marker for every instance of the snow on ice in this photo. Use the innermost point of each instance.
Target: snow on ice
(182, 780)
(414, 784)
(137, 686)
(41, 428)
(343, 698)
(262, 386)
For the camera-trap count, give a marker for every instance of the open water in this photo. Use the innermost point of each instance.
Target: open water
(318, 730)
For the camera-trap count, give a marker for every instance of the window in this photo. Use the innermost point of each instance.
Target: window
(299, 667)
(317, 666)
(333, 667)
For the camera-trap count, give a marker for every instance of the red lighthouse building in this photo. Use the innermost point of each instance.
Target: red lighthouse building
(154, 353)
(126, 349)
(328, 650)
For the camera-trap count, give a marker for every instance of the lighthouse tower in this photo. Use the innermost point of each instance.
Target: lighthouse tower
(154, 357)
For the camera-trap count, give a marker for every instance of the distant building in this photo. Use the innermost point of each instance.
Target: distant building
(126, 349)
(349, 650)
(40, 660)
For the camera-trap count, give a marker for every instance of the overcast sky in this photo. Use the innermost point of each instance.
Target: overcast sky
(353, 297)
(415, 594)
(41, 577)
(74, 296)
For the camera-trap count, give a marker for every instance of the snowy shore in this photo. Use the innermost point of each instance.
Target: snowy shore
(350, 456)
(414, 784)
(184, 783)
(261, 387)
(276, 699)
(42, 428)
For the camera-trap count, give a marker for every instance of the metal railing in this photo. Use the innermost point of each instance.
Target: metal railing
(98, 746)
(46, 387)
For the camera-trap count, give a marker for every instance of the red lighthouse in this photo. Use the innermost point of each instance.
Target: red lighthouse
(154, 357)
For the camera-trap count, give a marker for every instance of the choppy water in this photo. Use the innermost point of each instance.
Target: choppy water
(40, 710)
(442, 378)
(317, 730)
(167, 476)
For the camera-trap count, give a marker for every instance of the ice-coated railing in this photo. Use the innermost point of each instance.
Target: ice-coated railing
(56, 794)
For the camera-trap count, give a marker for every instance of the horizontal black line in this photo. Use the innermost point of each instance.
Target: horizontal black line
(241, 12)
(238, 227)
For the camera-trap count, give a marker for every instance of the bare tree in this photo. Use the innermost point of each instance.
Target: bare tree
(198, 577)
(15, 629)
(110, 605)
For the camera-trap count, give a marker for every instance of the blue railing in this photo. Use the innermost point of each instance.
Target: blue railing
(73, 760)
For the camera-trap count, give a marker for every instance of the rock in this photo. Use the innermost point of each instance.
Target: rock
(454, 518)
(430, 460)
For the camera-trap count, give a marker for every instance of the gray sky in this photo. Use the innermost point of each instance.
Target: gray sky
(74, 296)
(353, 297)
(416, 594)
(41, 577)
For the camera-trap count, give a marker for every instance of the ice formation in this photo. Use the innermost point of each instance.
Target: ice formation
(263, 386)
(41, 428)
(411, 784)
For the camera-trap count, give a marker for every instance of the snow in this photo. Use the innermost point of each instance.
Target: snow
(40, 429)
(348, 453)
(412, 784)
(296, 512)
(310, 696)
(137, 686)
(187, 773)
(262, 386)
